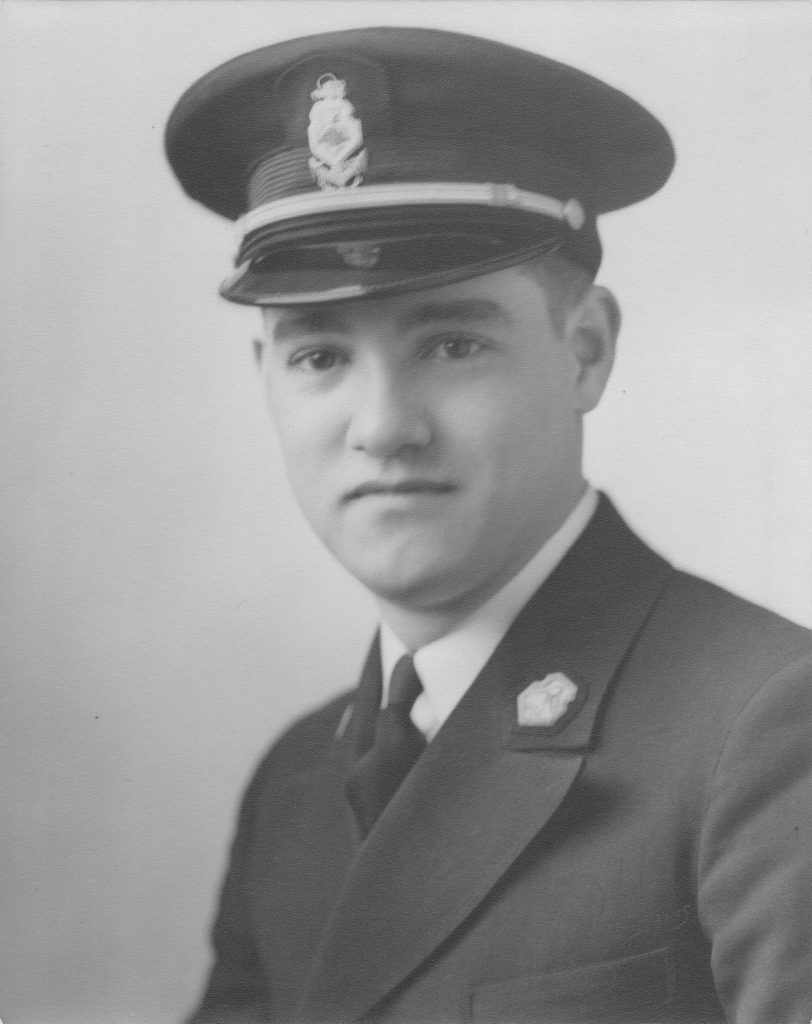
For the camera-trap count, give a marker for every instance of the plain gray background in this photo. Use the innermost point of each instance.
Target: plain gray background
(164, 611)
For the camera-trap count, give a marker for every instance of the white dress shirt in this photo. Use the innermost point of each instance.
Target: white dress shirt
(448, 666)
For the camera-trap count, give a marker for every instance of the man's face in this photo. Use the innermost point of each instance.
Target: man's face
(432, 439)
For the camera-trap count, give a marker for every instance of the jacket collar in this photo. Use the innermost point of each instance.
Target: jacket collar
(485, 786)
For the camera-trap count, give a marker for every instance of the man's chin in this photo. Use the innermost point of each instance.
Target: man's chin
(416, 587)
(415, 591)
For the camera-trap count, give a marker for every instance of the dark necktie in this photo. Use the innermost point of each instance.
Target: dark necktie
(373, 779)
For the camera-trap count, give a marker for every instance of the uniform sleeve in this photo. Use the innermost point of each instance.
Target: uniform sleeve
(755, 882)
(235, 992)
(237, 988)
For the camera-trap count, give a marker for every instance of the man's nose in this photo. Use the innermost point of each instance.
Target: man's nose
(389, 416)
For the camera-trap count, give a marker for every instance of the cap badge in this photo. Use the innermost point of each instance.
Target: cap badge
(335, 136)
(546, 700)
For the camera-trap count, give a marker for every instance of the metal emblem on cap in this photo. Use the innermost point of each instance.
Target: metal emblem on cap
(359, 254)
(335, 136)
(546, 700)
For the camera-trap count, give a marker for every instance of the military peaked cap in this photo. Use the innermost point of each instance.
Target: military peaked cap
(380, 160)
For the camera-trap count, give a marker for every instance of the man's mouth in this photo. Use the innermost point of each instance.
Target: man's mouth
(405, 487)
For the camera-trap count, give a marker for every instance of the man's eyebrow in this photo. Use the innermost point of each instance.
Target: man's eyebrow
(301, 323)
(464, 310)
(304, 322)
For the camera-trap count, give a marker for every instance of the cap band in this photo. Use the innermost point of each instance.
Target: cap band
(447, 193)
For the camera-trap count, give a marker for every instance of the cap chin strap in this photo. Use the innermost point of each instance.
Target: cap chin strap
(448, 193)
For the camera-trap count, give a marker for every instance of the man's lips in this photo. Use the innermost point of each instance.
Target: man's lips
(416, 486)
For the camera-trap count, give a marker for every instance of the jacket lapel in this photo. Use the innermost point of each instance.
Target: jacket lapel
(485, 786)
(309, 845)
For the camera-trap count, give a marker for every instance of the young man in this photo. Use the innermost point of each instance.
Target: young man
(573, 783)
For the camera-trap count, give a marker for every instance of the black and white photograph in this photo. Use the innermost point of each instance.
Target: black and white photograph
(406, 533)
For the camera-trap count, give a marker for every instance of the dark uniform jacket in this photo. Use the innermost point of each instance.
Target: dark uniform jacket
(645, 859)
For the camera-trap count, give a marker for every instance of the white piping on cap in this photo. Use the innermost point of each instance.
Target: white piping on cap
(411, 194)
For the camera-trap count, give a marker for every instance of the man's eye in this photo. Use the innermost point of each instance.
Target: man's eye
(456, 346)
(317, 360)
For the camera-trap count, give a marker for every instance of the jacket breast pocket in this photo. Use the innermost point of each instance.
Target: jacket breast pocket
(628, 991)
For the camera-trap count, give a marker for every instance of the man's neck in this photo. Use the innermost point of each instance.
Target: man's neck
(417, 627)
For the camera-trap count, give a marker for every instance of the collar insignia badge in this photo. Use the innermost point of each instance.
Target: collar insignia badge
(546, 700)
(335, 136)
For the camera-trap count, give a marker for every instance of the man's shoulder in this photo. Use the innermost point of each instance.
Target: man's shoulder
(722, 648)
(690, 616)
(718, 616)
(305, 742)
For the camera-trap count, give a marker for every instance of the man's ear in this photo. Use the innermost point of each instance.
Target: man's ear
(591, 331)
(262, 361)
(262, 346)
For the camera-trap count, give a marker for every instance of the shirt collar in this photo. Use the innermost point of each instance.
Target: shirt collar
(448, 666)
